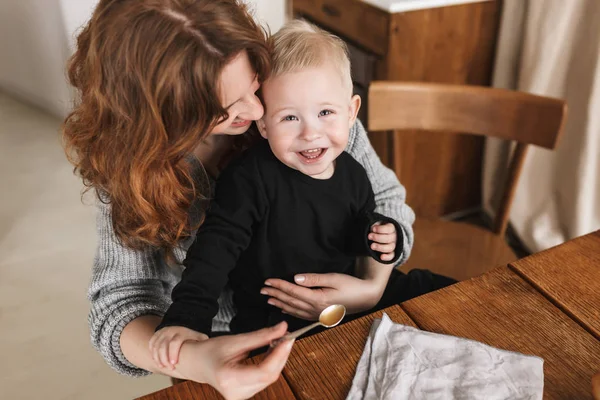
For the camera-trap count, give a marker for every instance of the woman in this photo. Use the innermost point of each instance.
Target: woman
(167, 88)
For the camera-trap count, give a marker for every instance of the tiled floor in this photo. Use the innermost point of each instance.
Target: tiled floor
(46, 249)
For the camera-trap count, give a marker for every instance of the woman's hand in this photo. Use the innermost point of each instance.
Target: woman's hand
(312, 293)
(219, 362)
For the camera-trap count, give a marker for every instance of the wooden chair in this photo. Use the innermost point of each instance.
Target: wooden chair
(457, 249)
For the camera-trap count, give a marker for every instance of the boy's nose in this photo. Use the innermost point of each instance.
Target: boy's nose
(309, 134)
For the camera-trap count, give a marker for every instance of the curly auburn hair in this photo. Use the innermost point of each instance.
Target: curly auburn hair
(146, 72)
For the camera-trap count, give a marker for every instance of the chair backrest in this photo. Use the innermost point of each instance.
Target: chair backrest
(517, 116)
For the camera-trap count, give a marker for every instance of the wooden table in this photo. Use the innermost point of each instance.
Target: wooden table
(547, 305)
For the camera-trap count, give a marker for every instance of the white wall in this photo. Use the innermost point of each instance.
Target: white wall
(35, 41)
(75, 14)
(37, 37)
(270, 12)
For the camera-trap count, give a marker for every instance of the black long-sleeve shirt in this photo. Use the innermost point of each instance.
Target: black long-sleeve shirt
(270, 221)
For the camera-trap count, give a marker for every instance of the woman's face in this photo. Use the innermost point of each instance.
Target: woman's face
(237, 88)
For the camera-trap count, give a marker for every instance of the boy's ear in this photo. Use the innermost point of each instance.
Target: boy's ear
(262, 128)
(355, 102)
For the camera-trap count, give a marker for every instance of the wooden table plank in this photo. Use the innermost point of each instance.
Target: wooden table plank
(503, 310)
(569, 275)
(322, 366)
(196, 391)
(184, 391)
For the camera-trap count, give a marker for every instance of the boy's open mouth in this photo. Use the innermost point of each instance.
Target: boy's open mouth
(312, 155)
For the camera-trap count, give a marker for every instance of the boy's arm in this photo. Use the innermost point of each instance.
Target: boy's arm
(375, 275)
(370, 267)
(367, 218)
(374, 271)
(390, 195)
(224, 235)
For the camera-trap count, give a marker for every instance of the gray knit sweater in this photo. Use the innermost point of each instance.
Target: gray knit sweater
(128, 283)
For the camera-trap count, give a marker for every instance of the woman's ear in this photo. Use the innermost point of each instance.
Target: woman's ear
(262, 127)
(354, 107)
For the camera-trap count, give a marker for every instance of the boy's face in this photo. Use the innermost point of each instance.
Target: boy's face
(307, 120)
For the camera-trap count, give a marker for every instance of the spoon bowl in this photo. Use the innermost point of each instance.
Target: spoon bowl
(332, 315)
(329, 317)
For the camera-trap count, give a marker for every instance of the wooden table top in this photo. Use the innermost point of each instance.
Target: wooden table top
(569, 275)
(546, 305)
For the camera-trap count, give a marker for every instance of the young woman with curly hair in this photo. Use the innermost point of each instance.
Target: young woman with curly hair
(166, 96)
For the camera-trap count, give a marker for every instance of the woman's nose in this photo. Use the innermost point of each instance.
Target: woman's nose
(254, 109)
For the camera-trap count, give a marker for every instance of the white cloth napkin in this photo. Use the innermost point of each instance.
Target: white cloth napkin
(400, 362)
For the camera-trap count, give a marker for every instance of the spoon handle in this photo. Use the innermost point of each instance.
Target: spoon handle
(295, 334)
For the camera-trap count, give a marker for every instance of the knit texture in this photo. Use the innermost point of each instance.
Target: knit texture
(127, 283)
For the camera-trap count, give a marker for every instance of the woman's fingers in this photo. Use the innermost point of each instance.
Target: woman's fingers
(276, 359)
(288, 309)
(253, 340)
(222, 357)
(277, 294)
(293, 290)
(245, 380)
(315, 280)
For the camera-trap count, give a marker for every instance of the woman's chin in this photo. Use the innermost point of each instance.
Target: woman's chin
(234, 131)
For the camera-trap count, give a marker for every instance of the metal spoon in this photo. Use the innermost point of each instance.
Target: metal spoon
(329, 317)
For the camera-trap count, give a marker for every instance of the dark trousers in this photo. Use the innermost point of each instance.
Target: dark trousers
(402, 287)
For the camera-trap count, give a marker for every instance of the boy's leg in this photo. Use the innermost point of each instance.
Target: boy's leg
(402, 287)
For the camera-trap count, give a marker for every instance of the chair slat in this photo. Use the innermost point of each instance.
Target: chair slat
(505, 114)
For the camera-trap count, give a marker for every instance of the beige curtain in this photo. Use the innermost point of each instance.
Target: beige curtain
(552, 48)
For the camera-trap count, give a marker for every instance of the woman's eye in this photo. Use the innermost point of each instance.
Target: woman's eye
(325, 112)
(290, 118)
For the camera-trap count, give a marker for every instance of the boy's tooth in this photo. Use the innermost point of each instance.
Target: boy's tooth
(312, 153)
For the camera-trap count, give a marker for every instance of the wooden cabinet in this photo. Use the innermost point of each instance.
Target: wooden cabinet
(453, 44)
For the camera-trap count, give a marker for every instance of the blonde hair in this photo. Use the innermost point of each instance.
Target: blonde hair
(300, 44)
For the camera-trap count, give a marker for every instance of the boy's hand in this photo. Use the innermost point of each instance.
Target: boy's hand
(166, 343)
(384, 238)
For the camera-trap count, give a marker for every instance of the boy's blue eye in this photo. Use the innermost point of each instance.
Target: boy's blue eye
(325, 112)
(290, 118)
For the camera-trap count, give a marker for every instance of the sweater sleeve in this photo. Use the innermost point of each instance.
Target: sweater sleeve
(390, 195)
(226, 232)
(125, 284)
